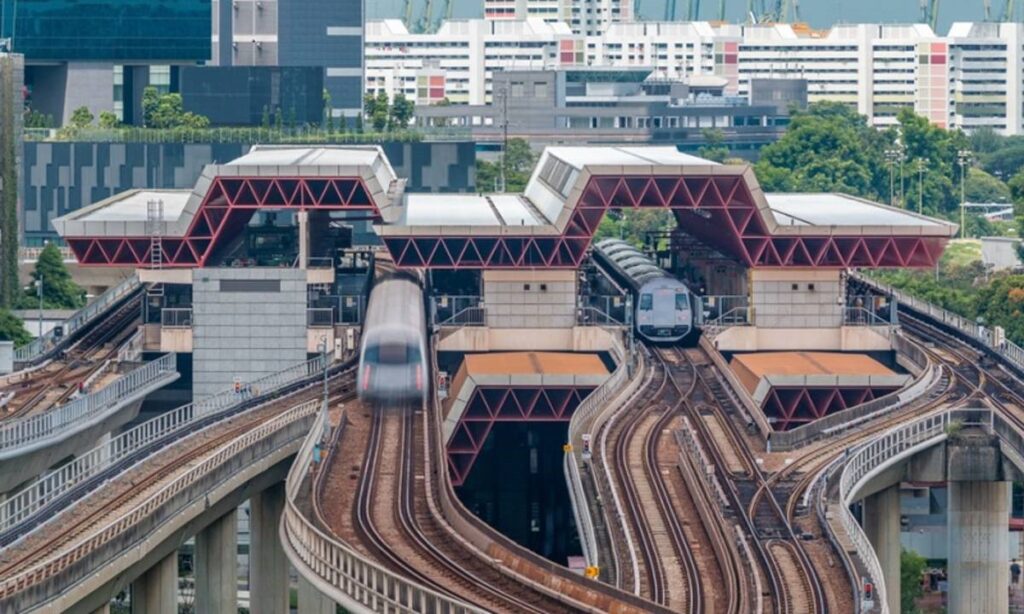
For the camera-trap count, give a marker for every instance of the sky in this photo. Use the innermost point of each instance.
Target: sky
(819, 13)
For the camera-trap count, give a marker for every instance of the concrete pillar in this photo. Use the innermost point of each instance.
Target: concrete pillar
(303, 217)
(979, 575)
(312, 601)
(103, 609)
(217, 566)
(882, 526)
(156, 591)
(268, 567)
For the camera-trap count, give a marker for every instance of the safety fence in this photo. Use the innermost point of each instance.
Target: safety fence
(41, 345)
(64, 568)
(977, 332)
(176, 317)
(45, 490)
(70, 417)
(347, 577)
(865, 461)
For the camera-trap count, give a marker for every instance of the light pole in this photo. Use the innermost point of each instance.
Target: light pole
(963, 156)
(323, 407)
(39, 293)
(920, 185)
(892, 155)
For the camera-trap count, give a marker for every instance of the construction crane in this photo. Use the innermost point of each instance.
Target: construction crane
(930, 13)
(1009, 12)
(693, 10)
(408, 15)
(721, 10)
(670, 10)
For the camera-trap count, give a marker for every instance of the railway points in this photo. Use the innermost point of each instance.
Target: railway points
(689, 493)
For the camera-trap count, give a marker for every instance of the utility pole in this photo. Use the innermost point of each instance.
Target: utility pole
(893, 155)
(504, 137)
(963, 157)
(920, 185)
(39, 293)
(323, 408)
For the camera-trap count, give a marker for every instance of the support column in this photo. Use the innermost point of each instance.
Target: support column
(312, 601)
(882, 526)
(979, 515)
(156, 591)
(303, 217)
(217, 566)
(268, 566)
(103, 609)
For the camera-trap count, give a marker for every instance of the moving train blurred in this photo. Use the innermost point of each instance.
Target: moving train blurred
(663, 305)
(392, 356)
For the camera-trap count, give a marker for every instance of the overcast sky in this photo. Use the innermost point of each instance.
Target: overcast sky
(820, 13)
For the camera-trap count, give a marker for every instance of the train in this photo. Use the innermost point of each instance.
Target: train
(393, 350)
(663, 306)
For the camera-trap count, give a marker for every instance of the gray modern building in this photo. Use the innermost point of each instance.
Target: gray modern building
(315, 33)
(601, 105)
(241, 95)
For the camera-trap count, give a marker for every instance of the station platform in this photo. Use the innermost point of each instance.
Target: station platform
(512, 387)
(794, 388)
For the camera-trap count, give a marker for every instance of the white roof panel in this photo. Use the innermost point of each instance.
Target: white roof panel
(133, 206)
(308, 156)
(515, 210)
(625, 156)
(839, 210)
(447, 210)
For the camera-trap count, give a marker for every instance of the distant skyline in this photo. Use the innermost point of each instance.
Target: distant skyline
(819, 13)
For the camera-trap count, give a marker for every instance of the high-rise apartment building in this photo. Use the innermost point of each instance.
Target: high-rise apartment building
(970, 78)
(584, 17)
(321, 33)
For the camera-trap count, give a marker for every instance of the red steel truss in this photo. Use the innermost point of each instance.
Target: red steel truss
(718, 210)
(490, 404)
(790, 406)
(227, 207)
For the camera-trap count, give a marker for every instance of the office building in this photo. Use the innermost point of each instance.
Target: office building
(296, 33)
(241, 95)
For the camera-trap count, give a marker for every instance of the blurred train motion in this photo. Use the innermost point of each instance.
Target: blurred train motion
(663, 305)
(392, 356)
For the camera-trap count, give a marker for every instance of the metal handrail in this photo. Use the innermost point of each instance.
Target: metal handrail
(42, 344)
(176, 317)
(340, 572)
(131, 350)
(470, 316)
(67, 418)
(593, 316)
(169, 500)
(22, 505)
(319, 317)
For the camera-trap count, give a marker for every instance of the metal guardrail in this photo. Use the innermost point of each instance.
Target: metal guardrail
(320, 317)
(891, 445)
(43, 344)
(445, 307)
(131, 350)
(45, 489)
(347, 577)
(470, 316)
(1009, 350)
(176, 317)
(592, 316)
(63, 420)
(136, 524)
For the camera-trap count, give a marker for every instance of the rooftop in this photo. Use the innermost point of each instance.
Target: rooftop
(468, 210)
(839, 210)
(751, 368)
(133, 206)
(534, 363)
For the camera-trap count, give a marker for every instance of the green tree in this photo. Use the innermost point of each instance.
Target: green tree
(714, 147)
(59, 290)
(192, 121)
(912, 566)
(632, 225)
(328, 113)
(402, 110)
(278, 120)
(108, 120)
(518, 160)
(13, 329)
(381, 114)
(8, 193)
(984, 188)
(35, 119)
(81, 117)
(265, 118)
(1016, 186)
(150, 101)
(1006, 161)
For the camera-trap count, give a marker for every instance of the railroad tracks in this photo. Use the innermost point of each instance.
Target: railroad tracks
(56, 382)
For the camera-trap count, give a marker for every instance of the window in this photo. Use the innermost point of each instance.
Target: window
(682, 301)
(646, 301)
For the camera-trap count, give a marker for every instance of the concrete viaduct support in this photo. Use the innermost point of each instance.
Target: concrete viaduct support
(156, 591)
(216, 571)
(882, 526)
(312, 601)
(268, 566)
(978, 547)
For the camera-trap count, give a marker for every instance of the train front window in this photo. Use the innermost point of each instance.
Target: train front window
(392, 354)
(646, 301)
(682, 302)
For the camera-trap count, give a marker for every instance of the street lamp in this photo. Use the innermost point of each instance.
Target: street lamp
(963, 156)
(323, 407)
(894, 155)
(39, 292)
(921, 165)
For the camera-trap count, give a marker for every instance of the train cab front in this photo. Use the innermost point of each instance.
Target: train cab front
(392, 371)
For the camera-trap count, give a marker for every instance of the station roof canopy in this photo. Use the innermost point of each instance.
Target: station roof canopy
(549, 225)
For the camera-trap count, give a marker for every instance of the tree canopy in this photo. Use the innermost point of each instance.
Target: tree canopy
(519, 161)
(164, 111)
(912, 566)
(13, 329)
(59, 290)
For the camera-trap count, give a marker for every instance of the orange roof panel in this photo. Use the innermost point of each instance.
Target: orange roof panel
(534, 363)
(750, 368)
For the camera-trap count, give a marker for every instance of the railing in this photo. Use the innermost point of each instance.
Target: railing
(65, 419)
(131, 350)
(320, 262)
(443, 308)
(41, 345)
(347, 577)
(862, 316)
(45, 489)
(979, 333)
(737, 316)
(176, 317)
(320, 317)
(470, 316)
(592, 316)
(138, 523)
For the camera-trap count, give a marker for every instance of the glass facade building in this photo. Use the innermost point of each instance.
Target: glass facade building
(121, 31)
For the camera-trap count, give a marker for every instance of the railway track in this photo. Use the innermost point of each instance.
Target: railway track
(143, 478)
(54, 383)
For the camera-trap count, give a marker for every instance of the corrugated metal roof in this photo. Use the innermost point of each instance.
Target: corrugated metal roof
(133, 206)
(838, 210)
(534, 363)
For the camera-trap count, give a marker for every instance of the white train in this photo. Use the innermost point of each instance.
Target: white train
(663, 305)
(393, 352)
